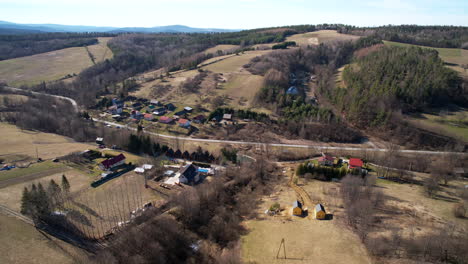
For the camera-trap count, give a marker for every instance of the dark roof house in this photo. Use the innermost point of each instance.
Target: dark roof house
(189, 174)
(170, 107)
(112, 162)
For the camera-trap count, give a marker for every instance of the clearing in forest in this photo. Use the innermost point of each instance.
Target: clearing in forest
(52, 65)
(321, 36)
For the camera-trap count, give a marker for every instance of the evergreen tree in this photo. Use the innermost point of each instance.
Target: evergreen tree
(26, 202)
(65, 184)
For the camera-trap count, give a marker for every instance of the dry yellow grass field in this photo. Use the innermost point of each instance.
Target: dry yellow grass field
(17, 142)
(11, 196)
(322, 36)
(22, 243)
(307, 241)
(52, 65)
(222, 48)
(239, 85)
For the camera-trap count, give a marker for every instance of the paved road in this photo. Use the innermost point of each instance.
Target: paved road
(72, 101)
(260, 144)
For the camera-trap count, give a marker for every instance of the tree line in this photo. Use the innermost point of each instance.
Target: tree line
(433, 36)
(13, 46)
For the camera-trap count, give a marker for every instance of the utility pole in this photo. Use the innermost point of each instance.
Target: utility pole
(282, 244)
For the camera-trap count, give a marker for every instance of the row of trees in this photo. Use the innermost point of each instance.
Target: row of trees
(39, 203)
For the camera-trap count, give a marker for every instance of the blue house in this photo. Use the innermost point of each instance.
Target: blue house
(292, 90)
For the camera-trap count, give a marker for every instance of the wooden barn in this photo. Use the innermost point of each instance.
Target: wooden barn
(320, 212)
(297, 208)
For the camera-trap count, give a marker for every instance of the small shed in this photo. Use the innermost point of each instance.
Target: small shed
(292, 90)
(297, 208)
(319, 212)
(100, 140)
(227, 117)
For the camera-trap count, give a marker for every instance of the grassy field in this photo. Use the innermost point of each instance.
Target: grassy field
(322, 36)
(34, 168)
(52, 65)
(22, 243)
(222, 48)
(20, 144)
(453, 124)
(11, 196)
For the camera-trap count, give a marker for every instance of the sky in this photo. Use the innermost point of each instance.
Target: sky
(239, 14)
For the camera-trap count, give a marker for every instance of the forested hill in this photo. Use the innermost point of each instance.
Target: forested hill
(393, 79)
(433, 36)
(13, 46)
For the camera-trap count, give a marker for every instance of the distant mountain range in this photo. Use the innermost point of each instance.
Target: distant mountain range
(14, 28)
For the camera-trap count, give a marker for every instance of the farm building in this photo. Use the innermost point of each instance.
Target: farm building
(112, 162)
(297, 208)
(227, 117)
(355, 163)
(319, 212)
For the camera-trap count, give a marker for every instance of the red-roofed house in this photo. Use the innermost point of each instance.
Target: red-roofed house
(112, 162)
(148, 117)
(326, 160)
(165, 120)
(184, 123)
(355, 163)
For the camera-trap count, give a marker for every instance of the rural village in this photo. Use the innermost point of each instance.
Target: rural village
(235, 153)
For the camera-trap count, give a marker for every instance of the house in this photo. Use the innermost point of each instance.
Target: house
(355, 163)
(292, 90)
(189, 174)
(100, 141)
(180, 113)
(188, 109)
(114, 110)
(136, 115)
(160, 111)
(165, 120)
(460, 172)
(112, 162)
(155, 102)
(118, 103)
(137, 105)
(170, 107)
(184, 123)
(319, 212)
(147, 166)
(148, 117)
(199, 119)
(227, 117)
(297, 208)
(326, 160)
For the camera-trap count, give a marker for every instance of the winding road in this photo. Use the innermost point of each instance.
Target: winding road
(245, 143)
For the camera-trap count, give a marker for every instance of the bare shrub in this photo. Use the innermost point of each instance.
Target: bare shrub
(460, 210)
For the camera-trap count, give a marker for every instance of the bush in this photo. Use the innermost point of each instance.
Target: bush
(460, 209)
(274, 207)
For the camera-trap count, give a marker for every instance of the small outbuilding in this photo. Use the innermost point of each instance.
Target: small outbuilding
(319, 212)
(297, 208)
